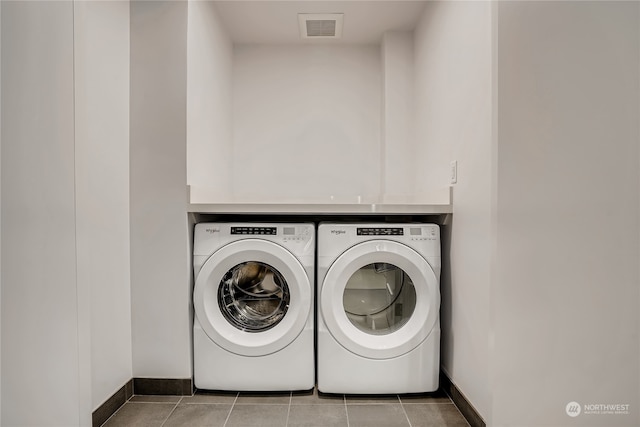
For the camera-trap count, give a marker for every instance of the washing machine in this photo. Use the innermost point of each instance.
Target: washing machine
(253, 306)
(378, 327)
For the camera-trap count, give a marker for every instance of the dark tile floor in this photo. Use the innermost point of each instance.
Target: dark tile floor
(288, 410)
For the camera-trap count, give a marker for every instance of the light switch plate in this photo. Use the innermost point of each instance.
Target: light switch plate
(453, 172)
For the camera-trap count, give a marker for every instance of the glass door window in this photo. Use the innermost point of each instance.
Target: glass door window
(253, 296)
(379, 298)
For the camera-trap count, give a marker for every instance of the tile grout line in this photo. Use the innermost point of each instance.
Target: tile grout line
(289, 408)
(462, 415)
(404, 411)
(346, 408)
(113, 415)
(429, 403)
(458, 409)
(172, 411)
(230, 410)
(118, 410)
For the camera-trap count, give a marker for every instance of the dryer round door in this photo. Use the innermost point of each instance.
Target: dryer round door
(380, 299)
(252, 297)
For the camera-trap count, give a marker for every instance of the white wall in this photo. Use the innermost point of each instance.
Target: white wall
(40, 316)
(398, 160)
(566, 291)
(0, 211)
(306, 122)
(209, 136)
(160, 258)
(66, 346)
(453, 50)
(102, 191)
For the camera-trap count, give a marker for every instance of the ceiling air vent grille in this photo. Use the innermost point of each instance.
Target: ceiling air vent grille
(321, 28)
(320, 25)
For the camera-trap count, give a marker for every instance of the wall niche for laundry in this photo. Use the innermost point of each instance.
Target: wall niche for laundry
(276, 118)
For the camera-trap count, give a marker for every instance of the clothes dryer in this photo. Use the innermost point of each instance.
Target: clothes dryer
(378, 302)
(253, 306)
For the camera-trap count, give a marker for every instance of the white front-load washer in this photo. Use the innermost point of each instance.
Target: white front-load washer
(378, 308)
(253, 306)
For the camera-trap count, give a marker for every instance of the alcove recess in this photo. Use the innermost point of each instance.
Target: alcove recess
(281, 122)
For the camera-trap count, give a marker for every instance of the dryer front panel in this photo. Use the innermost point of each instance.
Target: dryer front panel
(380, 299)
(252, 297)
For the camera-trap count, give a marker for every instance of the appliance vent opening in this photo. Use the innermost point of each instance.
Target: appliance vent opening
(321, 28)
(320, 25)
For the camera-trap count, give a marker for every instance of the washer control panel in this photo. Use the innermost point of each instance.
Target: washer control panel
(260, 231)
(295, 234)
(299, 238)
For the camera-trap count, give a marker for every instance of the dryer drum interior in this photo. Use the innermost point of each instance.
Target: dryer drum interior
(379, 298)
(253, 296)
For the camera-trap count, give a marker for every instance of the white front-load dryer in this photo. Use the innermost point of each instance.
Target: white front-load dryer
(253, 306)
(378, 308)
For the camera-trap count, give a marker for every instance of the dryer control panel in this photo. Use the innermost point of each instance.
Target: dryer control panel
(424, 238)
(379, 231)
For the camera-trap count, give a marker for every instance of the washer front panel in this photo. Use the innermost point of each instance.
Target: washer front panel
(228, 334)
(393, 342)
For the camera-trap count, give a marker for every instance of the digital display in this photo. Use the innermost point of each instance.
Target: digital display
(264, 231)
(370, 231)
(288, 231)
(415, 231)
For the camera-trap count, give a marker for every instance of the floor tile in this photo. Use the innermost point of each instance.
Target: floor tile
(317, 416)
(264, 399)
(435, 397)
(377, 415)
(423, 415)
(134, 414)
(208, 397)
(315, 398)
(188, 415)
(258, 416)
(354, 399)
(155, 399)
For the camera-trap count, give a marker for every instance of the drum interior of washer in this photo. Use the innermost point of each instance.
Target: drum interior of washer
(253, 296)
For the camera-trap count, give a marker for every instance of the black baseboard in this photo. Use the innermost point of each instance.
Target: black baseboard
(112, 404)
(141, 386)
(466, 408)
(163, 386)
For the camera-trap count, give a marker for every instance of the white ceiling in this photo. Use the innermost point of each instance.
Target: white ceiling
(276, 22)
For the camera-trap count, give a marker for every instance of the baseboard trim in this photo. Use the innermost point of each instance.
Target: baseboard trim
(163, 386)
(112, 404)
(140, 386)
(464, 406)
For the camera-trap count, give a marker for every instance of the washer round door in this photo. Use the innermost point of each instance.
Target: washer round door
(380, 299)
(252, 297)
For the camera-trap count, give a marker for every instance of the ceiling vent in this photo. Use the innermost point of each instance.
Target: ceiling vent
(320, 25)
